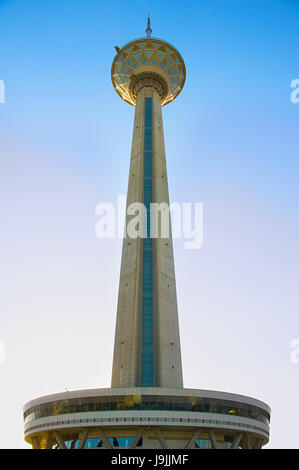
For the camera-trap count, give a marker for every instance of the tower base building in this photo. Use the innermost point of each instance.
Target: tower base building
(159, 418)
(147, 405)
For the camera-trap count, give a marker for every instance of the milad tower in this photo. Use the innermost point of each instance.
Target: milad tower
(147, 405)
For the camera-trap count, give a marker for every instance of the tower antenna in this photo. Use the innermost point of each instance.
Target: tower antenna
(148, 29)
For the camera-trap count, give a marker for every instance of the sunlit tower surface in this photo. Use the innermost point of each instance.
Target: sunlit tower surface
(147, 406)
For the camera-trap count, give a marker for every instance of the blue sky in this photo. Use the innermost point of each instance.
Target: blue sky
(231, 144)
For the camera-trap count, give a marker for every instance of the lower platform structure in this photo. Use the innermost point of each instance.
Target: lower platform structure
(148, 418)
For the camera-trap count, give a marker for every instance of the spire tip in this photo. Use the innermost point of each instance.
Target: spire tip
(148, 29)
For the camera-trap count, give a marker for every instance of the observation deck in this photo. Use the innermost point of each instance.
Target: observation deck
(144, 56)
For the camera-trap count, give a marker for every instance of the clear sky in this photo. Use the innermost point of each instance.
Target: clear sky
(231, 144)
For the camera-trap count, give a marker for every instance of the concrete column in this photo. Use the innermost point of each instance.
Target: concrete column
(160, 438)
(237, 440)
(35, 442)
(104, 439)
(127, 344)
(191, 442)
(137, 438)
(246, 440)
(258, 443)
(59, 440)
(213, 439)
(126, 358)
(83, 439)
(168, 349)
(49, 440)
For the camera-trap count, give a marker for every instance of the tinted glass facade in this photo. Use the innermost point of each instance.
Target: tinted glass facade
(147, 402)
(95, 443)
(147, 348)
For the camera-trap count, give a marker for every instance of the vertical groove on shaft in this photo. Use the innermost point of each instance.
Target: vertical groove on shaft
(147, 342)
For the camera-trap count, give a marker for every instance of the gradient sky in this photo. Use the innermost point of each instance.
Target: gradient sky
(231, 144)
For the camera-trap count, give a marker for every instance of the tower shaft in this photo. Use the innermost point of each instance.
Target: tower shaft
(147, 343)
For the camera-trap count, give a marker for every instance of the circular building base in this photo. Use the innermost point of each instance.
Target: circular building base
(147, 418)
